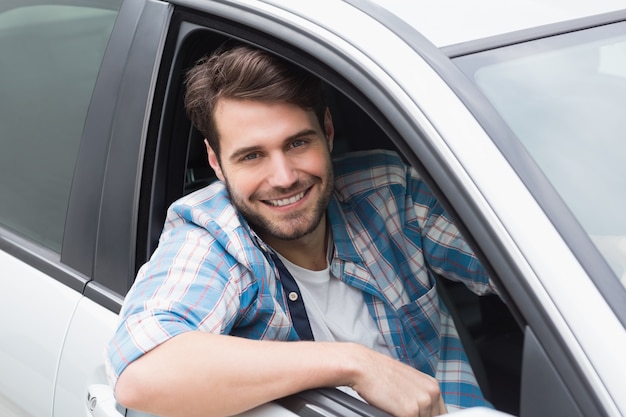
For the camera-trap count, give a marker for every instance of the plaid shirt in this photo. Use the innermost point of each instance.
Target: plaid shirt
(210, 272)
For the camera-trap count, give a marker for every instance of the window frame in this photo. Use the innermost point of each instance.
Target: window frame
(49, 261)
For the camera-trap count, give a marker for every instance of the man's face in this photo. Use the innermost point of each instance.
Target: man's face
(275, 161)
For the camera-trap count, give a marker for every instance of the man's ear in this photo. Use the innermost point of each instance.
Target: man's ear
(329, 129)
(213, 160)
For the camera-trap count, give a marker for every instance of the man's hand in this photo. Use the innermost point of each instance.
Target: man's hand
(395, 387)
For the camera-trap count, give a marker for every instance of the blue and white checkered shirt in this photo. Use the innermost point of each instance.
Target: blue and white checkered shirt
(210, 272)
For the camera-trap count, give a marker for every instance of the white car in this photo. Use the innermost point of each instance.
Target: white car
(515, 111)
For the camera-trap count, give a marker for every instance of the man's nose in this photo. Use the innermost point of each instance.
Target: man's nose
(283, 174)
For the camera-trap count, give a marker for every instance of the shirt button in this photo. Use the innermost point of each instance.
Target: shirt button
(293, 296)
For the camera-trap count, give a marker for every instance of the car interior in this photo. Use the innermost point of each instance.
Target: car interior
(491, 335)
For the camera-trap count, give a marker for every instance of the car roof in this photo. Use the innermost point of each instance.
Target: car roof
(450, 22)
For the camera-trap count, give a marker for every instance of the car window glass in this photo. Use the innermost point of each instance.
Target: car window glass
(51, 54)
(565, 99)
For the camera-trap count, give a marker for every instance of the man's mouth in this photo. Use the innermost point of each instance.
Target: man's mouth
(286, 201)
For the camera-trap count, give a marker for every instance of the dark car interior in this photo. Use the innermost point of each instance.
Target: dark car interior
(491, 336)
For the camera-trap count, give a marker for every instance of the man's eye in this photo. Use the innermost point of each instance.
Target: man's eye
(250, 156)
(297, 143)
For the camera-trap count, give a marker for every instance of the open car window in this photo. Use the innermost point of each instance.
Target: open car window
(492, 337)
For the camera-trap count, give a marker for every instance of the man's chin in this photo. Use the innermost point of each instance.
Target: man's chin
(284, 230)
(284, 234)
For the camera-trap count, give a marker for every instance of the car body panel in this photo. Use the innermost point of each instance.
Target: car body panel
(453, 22)
(81, 363)
(36, 313)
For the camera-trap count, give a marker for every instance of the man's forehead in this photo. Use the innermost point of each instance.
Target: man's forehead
(250, 123)
(240, 114)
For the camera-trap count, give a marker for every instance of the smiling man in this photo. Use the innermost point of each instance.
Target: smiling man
(292, 271)
(275, 162)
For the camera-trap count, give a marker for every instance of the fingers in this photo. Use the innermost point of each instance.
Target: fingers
(399, 389)
(428, 401)
(442, 407)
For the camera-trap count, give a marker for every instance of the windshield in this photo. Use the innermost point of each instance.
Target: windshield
(565, 99)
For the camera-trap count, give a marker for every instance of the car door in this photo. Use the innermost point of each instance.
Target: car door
(51, 54)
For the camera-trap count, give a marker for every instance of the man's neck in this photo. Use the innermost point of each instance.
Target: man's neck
(309, 252)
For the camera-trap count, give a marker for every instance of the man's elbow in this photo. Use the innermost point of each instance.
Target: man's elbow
(130, 391)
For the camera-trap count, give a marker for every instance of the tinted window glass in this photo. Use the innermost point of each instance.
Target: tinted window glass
(565, 99)
(50, 59)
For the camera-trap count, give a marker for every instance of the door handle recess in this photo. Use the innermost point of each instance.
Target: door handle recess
(101, 402)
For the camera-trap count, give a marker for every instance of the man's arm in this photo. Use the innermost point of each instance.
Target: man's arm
(203, 374)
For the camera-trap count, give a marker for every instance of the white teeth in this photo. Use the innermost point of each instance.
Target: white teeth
(285, 201)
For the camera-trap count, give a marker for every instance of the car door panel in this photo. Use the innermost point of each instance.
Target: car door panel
(36, 313)
(82, 360)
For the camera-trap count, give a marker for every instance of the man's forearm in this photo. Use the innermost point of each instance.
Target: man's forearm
(205, 375)
(201, 374)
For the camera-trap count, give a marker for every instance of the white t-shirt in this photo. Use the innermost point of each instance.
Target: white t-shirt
(336, 311)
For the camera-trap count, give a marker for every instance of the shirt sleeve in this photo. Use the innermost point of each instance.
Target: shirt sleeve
(186, 285)
(444, 248)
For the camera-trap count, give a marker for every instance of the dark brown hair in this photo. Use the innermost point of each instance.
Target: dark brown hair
(244, 72)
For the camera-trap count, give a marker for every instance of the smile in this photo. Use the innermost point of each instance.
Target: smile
(286, 201)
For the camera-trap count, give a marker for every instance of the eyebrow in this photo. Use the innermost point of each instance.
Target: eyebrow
(248, 149)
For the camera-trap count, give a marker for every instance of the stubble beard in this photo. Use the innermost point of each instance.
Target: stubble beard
(293, 225)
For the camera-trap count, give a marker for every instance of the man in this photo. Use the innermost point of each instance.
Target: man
(284, 250)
